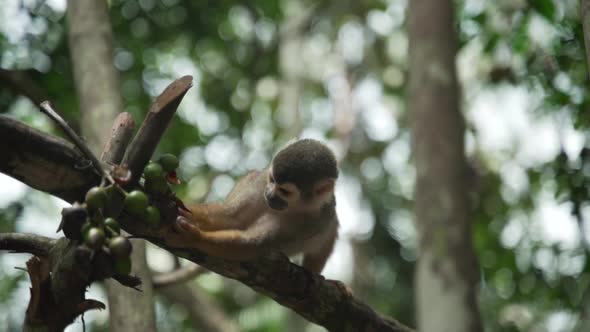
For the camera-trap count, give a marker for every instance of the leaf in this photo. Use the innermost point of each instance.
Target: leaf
(545, 8)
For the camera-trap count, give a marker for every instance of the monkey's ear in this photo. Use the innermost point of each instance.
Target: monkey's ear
(324, 187)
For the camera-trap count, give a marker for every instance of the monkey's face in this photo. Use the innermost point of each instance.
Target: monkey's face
(282, 195)
(279, 196)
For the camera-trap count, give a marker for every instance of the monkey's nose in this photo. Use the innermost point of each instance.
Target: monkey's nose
(274, 201)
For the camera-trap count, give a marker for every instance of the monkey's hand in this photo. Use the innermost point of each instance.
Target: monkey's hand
(228, 243)
(185, 225)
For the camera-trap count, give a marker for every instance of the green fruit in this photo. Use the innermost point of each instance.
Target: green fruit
(96, 198)
(136, 202)
(153, 171)
(122, 265)
(94, 238)
(156, 186)
(113, 225)
(168, 161)
(152, 216)
(120, 247)
(86, 226)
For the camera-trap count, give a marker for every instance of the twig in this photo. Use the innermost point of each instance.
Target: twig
(180, 275)
(48, 110)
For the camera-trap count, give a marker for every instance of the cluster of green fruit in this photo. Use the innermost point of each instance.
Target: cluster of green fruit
(104, 233)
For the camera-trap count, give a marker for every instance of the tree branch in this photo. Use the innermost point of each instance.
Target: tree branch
(22, 83)
(321, 301)
(44, 162)
(179, 275)
(46, 108)
(121, 132)
(29, 243)
(149, 134)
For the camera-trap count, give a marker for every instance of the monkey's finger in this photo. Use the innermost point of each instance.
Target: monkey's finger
(184, 213)
(184, 226)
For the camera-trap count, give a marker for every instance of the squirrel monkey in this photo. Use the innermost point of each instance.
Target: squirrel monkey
(288, 207)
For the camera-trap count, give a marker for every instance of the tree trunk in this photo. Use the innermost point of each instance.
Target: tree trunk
(446, 273)
(97, 81)
(97, 84)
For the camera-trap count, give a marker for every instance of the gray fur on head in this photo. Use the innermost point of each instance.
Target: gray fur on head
(304, 163)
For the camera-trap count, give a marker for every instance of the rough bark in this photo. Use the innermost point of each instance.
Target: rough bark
(60, 273)
(45, 163)
(98, 89)
(446, 274)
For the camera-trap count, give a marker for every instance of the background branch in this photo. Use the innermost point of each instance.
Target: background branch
(21, 82)
(204, 313)
(180, 275)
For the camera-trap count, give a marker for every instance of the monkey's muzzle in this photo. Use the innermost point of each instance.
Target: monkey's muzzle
(274, 201)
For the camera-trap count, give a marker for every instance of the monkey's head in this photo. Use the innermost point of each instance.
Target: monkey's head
(301, 177)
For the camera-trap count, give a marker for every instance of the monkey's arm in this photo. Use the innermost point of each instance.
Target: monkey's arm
(315, 260)
(229, 244)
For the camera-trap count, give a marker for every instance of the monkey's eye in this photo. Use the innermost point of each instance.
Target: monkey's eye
(284, 191)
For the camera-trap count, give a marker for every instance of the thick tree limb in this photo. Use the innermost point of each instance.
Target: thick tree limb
(26, 243)
(44, 162)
